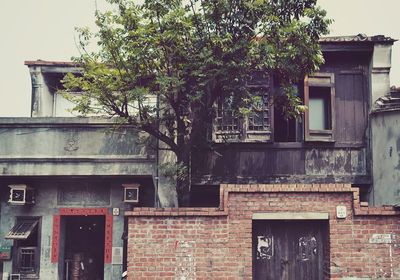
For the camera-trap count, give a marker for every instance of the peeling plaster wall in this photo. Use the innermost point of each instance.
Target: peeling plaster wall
(386, 157)
(380, 69)
(335, 162)
(42, 98)
(71, 146)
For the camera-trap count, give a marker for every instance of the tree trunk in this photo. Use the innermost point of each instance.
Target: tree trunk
(184, 176)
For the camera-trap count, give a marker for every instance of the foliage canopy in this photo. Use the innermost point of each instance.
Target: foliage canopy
(162, 64)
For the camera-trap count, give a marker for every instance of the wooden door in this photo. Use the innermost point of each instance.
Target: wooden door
(289, 250)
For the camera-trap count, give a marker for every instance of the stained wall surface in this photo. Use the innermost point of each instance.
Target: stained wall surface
(386, 155)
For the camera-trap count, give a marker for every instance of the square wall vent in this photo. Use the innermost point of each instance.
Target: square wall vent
(131, 193)
(21, 195)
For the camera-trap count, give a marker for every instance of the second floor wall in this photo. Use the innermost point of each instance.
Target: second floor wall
(71, 146)
(331, 143)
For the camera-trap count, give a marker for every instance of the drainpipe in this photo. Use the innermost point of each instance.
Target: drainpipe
(156, 201)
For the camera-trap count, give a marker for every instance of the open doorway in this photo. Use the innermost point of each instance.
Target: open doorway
(84, 247)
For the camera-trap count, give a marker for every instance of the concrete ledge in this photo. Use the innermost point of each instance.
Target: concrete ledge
(291, 216)
(77, 168)
(79, 158)
(175, 212)
(27, 122)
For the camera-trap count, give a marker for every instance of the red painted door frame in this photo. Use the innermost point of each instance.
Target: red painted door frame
(55, 246)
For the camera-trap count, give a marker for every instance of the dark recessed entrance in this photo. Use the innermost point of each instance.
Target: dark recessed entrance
(84, 247)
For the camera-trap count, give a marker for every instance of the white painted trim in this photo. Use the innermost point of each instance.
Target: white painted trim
(291, 216)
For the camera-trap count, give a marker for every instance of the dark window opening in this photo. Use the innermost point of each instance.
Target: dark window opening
(26, 246)
(285, 130)
(204, 196)
(288, 129)
(53, 81)
(365, 191)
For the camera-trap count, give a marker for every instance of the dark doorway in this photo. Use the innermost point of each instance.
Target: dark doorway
(290, 250)
(84, 247)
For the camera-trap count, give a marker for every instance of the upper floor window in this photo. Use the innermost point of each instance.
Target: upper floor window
(319, 97)
(267, 121)
(252, 127)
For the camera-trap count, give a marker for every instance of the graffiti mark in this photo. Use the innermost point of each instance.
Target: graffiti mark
(265, 247)
(185, 260)
(307, 247)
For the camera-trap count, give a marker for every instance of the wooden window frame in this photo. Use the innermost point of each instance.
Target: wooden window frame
(324, 80)
(36, 260)
(18, 247)
(243, 134)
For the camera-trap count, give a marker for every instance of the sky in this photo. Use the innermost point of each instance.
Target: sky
(45, 29)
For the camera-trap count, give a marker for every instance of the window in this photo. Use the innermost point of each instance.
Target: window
(254, 127)
(319, 97)
(268, 123)
(25, 234)
(287, 129)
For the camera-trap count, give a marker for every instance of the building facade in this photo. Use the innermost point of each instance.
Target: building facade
(82, 198)
(64, 186)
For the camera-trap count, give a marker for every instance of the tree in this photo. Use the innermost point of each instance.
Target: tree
(186, 55)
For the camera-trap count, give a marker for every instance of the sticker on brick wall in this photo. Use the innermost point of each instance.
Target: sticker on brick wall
(381, 239)
(265, 247)
(307, 248)
(185, 262)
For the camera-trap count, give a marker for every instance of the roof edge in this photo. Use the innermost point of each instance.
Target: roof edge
(359, 38)
(40, 62)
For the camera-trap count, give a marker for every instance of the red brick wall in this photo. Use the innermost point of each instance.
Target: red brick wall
(209, 243)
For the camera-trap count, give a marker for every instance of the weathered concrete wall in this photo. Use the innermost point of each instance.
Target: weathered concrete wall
(211, 243)
(71, 146)
(45, 79)
(386, 157)
(380, 69)
(48, 203)
(42, 98)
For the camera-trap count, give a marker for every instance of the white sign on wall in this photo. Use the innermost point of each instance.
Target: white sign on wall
(117, 255)
(381, 239)
(115, 211)
(341, 212)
